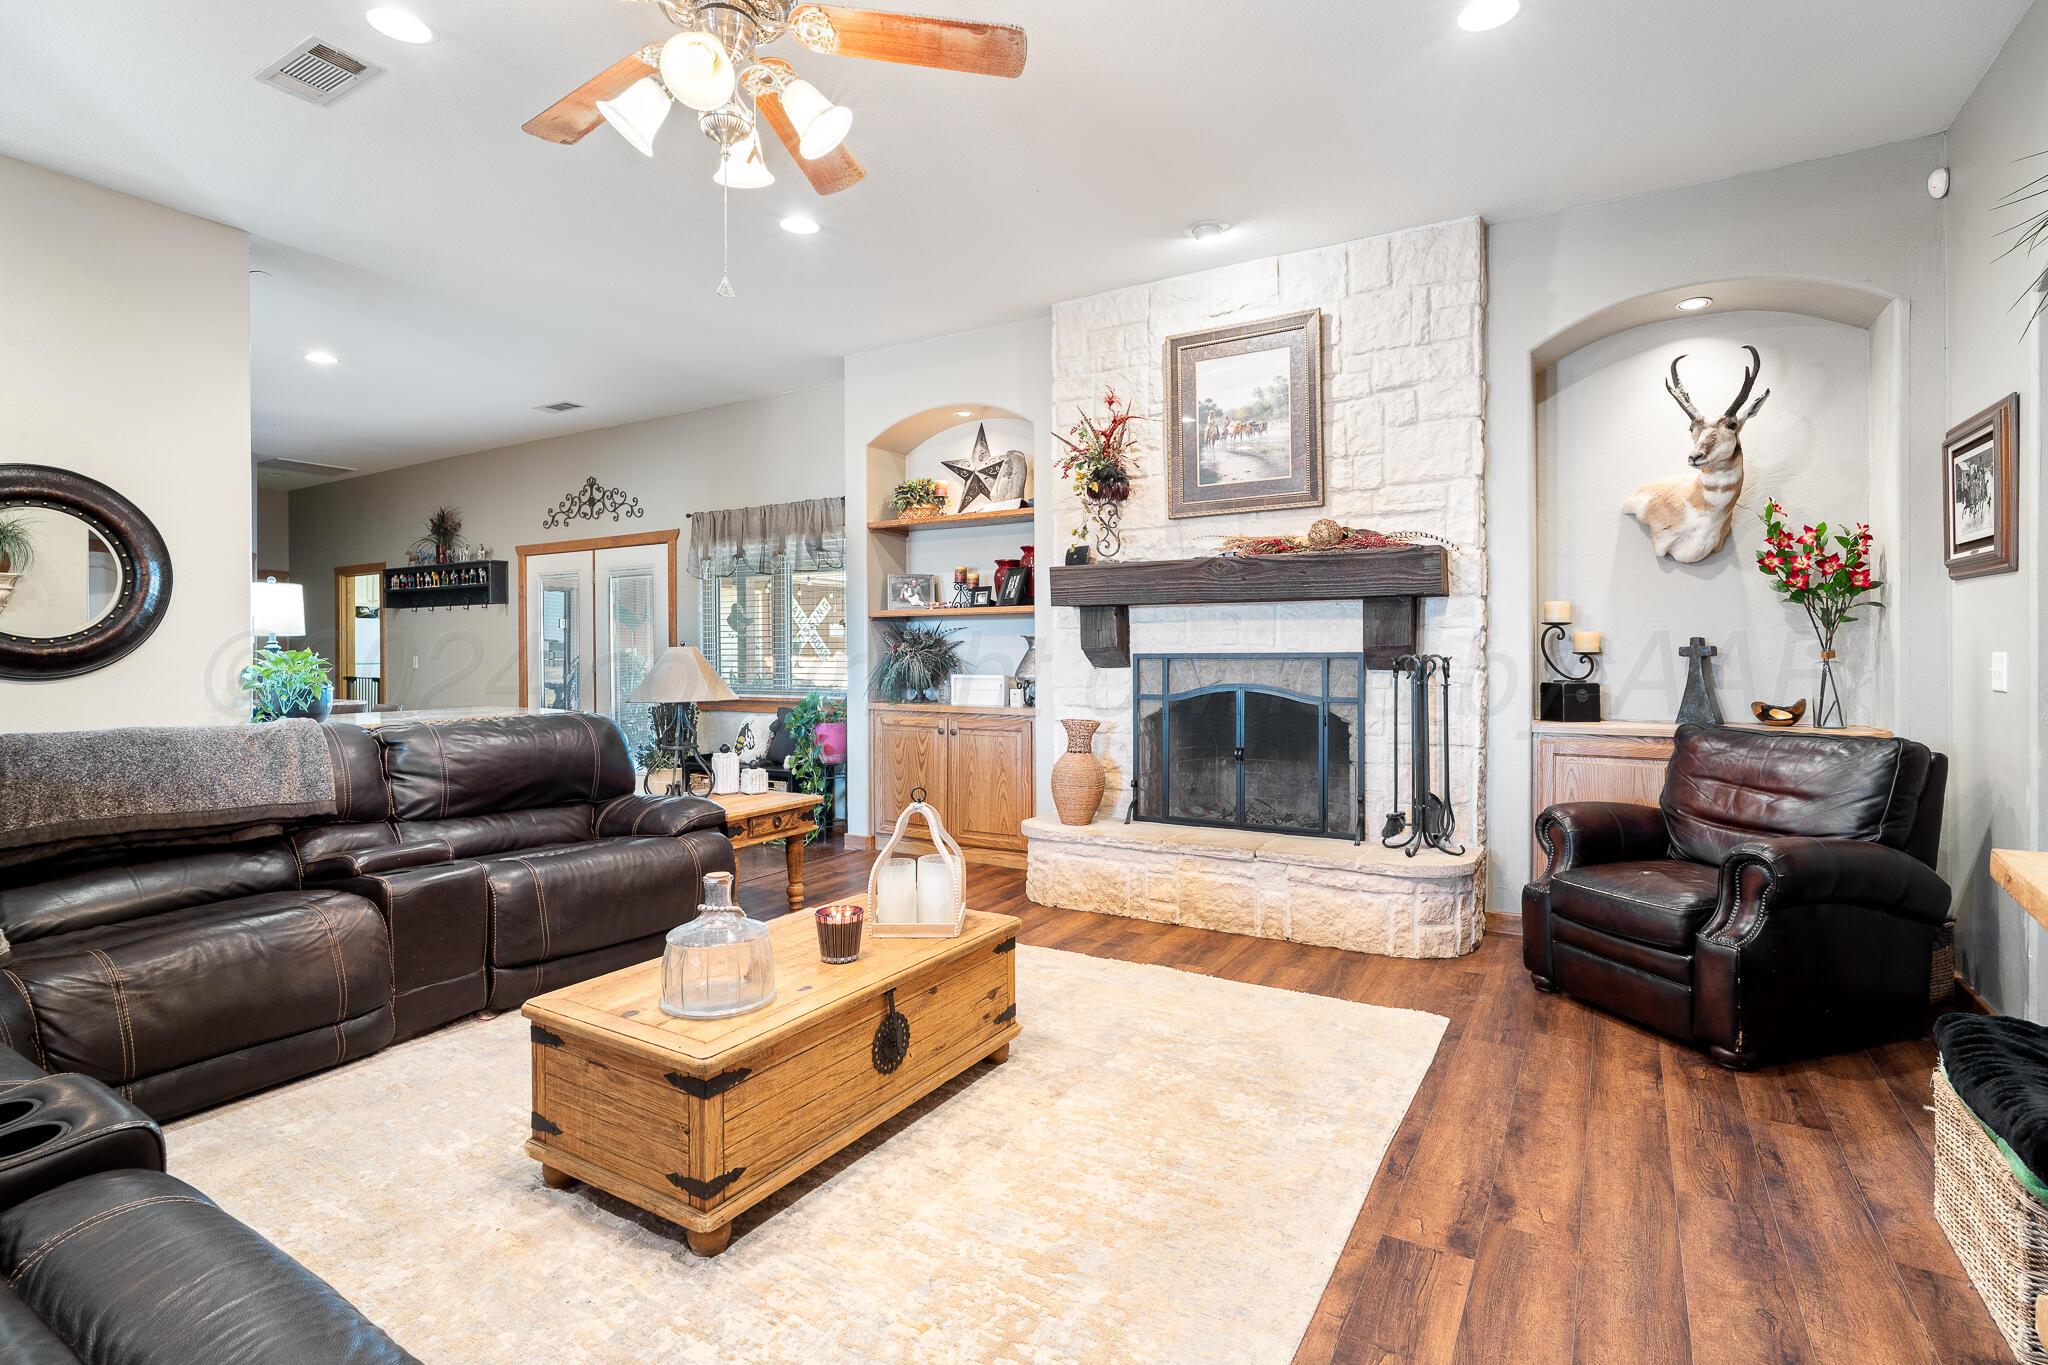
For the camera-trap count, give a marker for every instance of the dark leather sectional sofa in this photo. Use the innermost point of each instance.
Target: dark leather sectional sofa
(470, 865)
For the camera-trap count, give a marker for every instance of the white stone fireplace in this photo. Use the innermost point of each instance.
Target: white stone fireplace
(1403, 393)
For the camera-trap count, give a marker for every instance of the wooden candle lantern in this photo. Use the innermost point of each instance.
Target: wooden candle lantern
(947, 866)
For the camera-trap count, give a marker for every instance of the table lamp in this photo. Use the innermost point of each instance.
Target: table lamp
(276, 609)
(680, 679)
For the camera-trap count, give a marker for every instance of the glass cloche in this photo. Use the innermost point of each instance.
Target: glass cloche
(719, 963)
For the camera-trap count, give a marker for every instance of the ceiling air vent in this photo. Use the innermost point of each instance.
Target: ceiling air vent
(280, 465)
(317, 72)
(563, 406)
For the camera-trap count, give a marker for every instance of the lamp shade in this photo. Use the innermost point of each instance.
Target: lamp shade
(820, 124)
(696, 70)
(277, 608)
(742, 167)
(682, 674)
(637, 113)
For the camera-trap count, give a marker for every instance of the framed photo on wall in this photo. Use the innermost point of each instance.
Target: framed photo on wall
(1244, 417)
(1980, 495)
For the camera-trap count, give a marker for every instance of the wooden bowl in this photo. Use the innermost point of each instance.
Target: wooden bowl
(1776, 716)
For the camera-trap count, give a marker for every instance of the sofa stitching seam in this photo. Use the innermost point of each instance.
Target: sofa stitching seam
(335, 755)
(42, 1251)
(128, 1066)
(441, 758)
(35, 1024)
(340, 977)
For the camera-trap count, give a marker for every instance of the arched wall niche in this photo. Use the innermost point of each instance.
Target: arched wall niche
(908, 433)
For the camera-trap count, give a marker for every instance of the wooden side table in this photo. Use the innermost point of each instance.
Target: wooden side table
(763, 817)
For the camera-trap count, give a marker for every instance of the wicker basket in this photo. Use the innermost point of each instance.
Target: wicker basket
(1999, 1231)
(1941, 982)
(923, 511)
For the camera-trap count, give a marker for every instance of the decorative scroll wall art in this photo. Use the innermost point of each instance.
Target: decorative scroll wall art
(593, 502)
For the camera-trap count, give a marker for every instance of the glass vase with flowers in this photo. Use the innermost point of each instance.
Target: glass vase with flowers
(1826, 574)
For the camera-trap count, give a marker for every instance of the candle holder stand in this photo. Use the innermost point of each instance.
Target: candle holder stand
(1567, 696)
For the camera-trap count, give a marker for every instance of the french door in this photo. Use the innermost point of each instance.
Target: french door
(595, 615)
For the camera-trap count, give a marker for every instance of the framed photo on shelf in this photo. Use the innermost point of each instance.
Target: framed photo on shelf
(910, 590)
(1980, 492)
(1244, 417)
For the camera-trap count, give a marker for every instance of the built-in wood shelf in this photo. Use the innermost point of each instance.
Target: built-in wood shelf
(906, 613)
(2024, 875)
(1006, 517)
(948, 709)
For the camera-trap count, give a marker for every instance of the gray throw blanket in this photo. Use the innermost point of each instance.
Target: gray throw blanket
(67, 788)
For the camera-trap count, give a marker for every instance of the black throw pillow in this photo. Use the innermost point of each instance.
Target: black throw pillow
(1998, 1066)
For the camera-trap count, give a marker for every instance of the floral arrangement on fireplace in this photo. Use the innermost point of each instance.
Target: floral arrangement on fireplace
(1326, 534)
(1100, 465)
(1828, 583)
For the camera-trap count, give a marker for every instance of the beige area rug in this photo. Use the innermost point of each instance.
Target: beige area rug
(1165, 1170)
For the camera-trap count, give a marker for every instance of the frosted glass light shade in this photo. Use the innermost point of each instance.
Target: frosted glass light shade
(742, 167)
(696, 70)
(820, 124)
(637, 113)
(277, 608)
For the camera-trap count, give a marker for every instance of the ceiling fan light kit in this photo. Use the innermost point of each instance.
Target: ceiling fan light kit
(637, 114)
(712, 65)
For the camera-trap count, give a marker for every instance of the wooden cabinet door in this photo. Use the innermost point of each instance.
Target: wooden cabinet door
(990, 780)
(907, 751)
(1626, 768)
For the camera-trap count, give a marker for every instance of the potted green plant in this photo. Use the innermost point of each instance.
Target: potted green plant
(285, 684)
(918, 499)
(17, 551)
(916, 660)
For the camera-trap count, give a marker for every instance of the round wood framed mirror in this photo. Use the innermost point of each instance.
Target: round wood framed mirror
(85, 577)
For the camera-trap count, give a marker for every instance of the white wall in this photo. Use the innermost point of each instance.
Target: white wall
(1007, 367)
(768, 450)
(124, 356)
(273, 530)
(1605, 425)
(1995, 795)
(1861, 220)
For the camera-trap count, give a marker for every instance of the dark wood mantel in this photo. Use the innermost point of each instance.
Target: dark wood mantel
(1389, 584)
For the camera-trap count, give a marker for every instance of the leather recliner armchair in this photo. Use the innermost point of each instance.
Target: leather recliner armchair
(1780, 900)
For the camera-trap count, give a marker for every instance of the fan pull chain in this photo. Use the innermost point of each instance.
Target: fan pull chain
(725, 227)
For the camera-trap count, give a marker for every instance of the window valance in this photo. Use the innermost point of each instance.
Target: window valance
(810, 534)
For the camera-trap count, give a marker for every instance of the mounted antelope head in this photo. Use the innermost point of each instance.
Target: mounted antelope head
(1687, 515)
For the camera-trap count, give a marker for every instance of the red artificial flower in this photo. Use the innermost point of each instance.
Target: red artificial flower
(1860, 578)
(1771, 509)
(1771, 562)
(1795, 580)
(1783, 540)
(1808, 536)
(1802, 562)
(1830, 564)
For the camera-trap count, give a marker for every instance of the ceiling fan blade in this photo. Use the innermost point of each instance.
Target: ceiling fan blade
(835, 171)
(569, 119)
(915, 39)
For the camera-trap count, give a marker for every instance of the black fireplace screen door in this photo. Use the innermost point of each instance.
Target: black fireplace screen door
(1272, 742)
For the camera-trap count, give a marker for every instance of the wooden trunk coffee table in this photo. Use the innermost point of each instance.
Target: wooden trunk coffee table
(698, 1120)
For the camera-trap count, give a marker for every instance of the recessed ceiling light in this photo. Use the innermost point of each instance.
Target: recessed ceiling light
(396, 23)
(1694, 304)
(963, 412)
(800, 225)
(1481, 15)
(1208, 230)
(322, 358)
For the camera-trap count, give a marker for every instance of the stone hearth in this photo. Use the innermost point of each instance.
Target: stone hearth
(1308, 890)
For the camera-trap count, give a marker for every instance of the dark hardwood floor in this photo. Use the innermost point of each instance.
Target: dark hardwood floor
(1567, 1187)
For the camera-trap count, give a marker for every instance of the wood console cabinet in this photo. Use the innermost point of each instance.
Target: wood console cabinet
(974, 763)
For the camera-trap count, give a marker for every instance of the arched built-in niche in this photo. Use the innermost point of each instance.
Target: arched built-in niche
(1605, 426)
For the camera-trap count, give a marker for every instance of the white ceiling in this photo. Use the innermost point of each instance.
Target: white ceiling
(467, 273)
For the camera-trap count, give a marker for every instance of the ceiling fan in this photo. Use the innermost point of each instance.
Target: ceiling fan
(713, 65)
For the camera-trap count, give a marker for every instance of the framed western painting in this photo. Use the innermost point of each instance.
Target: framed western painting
(1244, 427)
(1980, 494)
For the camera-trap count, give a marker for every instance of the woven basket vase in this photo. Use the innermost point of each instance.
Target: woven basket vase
(924, 511)
(1077, 779)
(1999, 1231)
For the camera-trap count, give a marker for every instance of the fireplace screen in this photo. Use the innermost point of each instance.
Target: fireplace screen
(1250, 741)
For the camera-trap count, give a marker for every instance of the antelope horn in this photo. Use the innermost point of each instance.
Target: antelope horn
(1750, 371)
(1677, 391)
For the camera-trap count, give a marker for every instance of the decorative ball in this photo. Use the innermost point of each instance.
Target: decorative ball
(1326, 534)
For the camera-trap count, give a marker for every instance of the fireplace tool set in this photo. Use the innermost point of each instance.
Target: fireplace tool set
(1428, 820)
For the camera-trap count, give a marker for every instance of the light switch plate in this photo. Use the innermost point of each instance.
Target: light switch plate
(1999, 681)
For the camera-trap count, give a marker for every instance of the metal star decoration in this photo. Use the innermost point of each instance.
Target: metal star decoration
(977, 470)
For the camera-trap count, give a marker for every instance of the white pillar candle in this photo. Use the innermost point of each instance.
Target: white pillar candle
(1556, 613)
(1586, 641)
(934, 890)
(896, 892)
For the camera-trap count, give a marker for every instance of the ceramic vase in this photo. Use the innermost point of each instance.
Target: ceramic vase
(1077, 779)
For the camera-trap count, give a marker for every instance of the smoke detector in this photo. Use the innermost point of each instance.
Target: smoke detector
(317, 72)
(564, 406)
